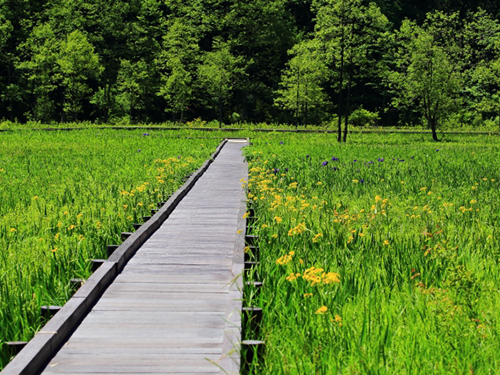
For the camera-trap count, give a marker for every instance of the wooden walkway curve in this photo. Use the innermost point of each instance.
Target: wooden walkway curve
(176, 306)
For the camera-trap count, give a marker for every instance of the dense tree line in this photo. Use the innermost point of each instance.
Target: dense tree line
(301, 61)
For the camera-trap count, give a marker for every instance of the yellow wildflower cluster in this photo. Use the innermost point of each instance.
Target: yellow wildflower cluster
(319, 276)
(299, 229)
(285, 258)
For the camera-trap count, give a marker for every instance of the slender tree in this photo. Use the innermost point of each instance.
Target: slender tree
(425, 76)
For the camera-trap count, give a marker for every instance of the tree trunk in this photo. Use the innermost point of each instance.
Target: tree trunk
(432, 123)
(341, 83)
(297, 112)
(220, 113)
(346, 118)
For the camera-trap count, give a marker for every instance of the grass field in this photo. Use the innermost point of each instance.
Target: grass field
(380, 256)
(377, 257)
(64, 196)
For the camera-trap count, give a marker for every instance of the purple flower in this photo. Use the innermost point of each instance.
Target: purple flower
(139, 150)
(361, 180)
(282, 143)
(178, 157)
(275, 170)
(355, 160)
(400, 160)
(335, 159)
(335, 169)
(325, 163)
(307, 156)
(145, 134)
(286, 169)
(437, 150)
(381, 159)
(413, 157)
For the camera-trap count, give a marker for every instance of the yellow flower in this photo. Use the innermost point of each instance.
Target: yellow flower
(355, 181)
(322, 310)
(293, 276)
(285, 258)
(54, 249)
(71, 227)
(278, 219)
(330, 277)
(238, 231)
(386, 243)
(81, 237)
(308, 295)
(35, 197)
(473, 201)
(316, 237)
(423, 189)
(264, 225)
(59, 225)
(13, 229)
(274, 235)
(125, 206)
(247, 214)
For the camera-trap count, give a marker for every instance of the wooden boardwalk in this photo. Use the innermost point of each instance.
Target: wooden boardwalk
(176, 306)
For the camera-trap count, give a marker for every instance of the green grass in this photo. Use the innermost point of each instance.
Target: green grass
(64, 196)
(415, 243)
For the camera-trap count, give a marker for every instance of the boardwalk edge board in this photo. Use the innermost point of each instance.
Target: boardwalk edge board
(39, 350)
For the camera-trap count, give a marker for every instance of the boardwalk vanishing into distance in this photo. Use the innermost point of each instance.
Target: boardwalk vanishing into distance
(176, 306)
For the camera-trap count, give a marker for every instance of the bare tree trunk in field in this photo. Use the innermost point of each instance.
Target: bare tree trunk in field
(341, 83)
(346, 117)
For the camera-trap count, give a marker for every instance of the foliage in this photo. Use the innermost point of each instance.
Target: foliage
(425, 75)
(380, 256)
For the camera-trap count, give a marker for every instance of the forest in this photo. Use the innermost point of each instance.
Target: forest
(389, 63)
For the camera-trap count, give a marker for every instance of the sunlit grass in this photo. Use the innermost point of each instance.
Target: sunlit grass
(410, 227)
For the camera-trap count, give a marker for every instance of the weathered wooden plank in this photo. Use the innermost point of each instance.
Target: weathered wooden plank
(131, 369)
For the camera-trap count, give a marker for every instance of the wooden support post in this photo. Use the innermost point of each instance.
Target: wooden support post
(96, 263)
(48, 312)
(251, 253)
(252, 319)
(251, 351)
(110, 249)
(76, 284)
(126, 235)
(251, 240)
(14, 347)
